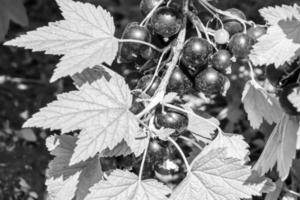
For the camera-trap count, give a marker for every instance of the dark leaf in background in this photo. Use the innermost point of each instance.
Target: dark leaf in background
(13, 10)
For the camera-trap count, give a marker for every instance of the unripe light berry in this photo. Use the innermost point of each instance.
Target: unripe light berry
(221, 36)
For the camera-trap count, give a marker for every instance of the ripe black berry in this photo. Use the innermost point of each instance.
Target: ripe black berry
(285, 103)
(167, 171)
(147, 5)
(232, 25)
(132, 79)
(144, 82)
(179, 82)
(195, 53)
(210, 81)
(256, 32)
(221, 61)
(171, 118)
(166, 21)
(129, 51)
(240, 45)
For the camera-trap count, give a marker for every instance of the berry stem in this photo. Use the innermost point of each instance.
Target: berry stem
(191, 141)
(225, 13)
(198, 24)
(156, 69)
(146, 19)
(141, 42)
(252, 74)
(144, 159)
(292, 192)
(188, 167)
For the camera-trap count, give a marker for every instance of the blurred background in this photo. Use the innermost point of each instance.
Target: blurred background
(25, 88)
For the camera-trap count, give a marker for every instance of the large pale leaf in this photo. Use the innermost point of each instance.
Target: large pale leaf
(234, 145)
(259, 105)
(85, 37)
(282, 41)
(201, 124)
(100, 110)
(123, 185)
(280, 148)
(214, 176)
(11, 10)
(275, 14)
(62, 189)
(90, 170)
(294, 98)
(298, 139)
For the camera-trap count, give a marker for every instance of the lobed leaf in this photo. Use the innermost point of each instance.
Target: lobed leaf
(280, 148)
(123, 185)
(90, 171)
(100, 110)
(259, 105)
(69, 37)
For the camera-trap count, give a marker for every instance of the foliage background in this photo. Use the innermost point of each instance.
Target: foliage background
(24, 88)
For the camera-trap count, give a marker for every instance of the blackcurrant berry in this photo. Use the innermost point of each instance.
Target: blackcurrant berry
(285, 103)
(232, 25)
(167, 171)
(147, 5)
(166, 21)
(256, 32)
(129, 51)
(195, 53)
(221, 36)
(132, 79)
(145, 81)
(179, 82)
(240, 45)
(210, 82)
(221, 61)
(171, 118)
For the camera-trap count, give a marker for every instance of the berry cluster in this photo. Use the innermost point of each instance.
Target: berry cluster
(210, 45)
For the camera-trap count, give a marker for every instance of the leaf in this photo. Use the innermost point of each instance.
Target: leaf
(60, 189)
(90, 171)
(234, 145)
(200, 123)
(120, 149)
(100, 110)
(298, 139)
(294, 98)
(280, 148)
(282, 41)
(123, 185)
(11, 10)
(259, 105)
(90, 75)
(27, 134)
(275, 14)
(276, 193)
(85, 37)
(214, 176)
